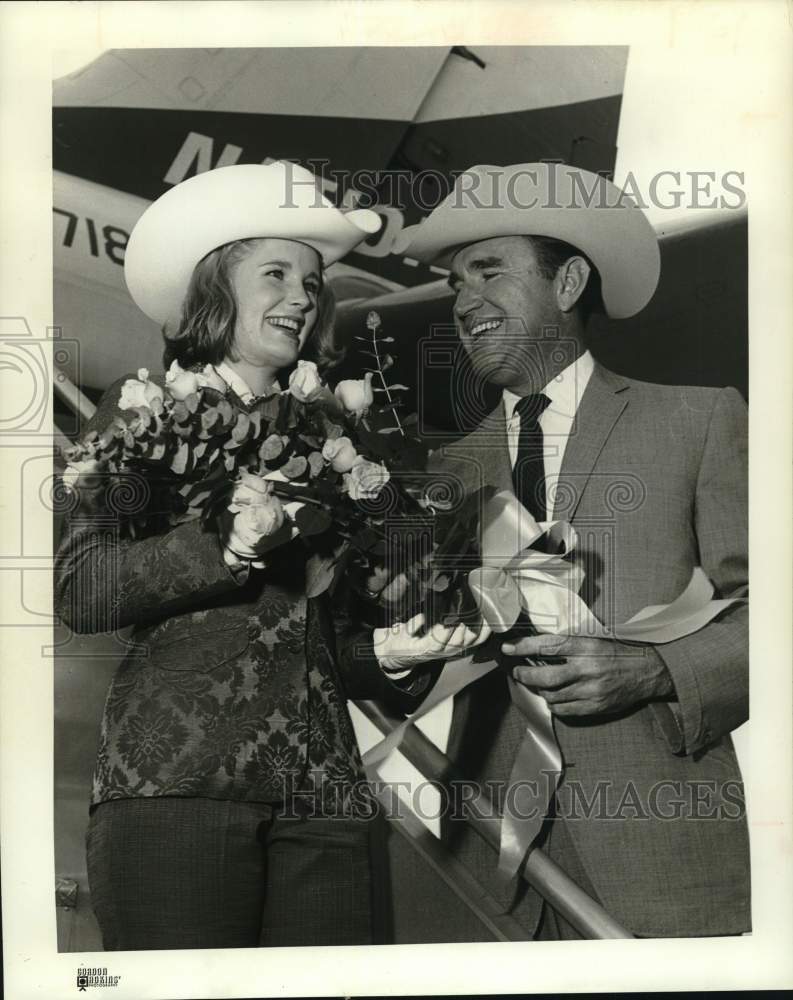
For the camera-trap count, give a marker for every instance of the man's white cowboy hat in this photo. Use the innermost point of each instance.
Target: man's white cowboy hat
(547, 199)
(226, 204)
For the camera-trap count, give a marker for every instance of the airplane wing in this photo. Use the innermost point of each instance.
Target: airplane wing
(384, 127)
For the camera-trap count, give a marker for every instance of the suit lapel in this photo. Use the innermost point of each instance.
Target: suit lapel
(481, 458)
(493, 450)
(601, 406)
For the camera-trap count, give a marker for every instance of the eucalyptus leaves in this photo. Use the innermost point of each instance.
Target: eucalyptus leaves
(329, 463)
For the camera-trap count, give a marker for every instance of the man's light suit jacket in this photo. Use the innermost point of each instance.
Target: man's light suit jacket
(654, 480)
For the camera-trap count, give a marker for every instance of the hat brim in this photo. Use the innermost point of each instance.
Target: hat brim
(551, 200)
(244, 201)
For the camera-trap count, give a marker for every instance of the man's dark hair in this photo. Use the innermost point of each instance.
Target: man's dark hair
(550, 254)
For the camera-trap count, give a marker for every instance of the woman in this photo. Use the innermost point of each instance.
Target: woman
(227, 807)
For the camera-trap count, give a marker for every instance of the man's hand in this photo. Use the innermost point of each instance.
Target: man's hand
(590, 676)
(402, 647)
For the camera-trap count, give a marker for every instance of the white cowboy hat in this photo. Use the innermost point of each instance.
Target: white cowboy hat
(277, 200)
(547, 199)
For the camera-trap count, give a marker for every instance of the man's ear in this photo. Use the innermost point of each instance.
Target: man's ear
(571, 280)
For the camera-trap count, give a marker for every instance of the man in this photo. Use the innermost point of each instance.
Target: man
(649, 812)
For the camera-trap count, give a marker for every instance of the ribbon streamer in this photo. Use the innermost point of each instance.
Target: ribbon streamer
(456, 675)
(515, 578)
(532, 782)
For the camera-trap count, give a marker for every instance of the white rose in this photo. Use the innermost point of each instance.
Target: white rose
(365, 479)
(210, 378)
(304, 382)
(340, 453)
(293, 506)
(87, 470)
(253, 522)
(355, 395)
(249, 490)
(139, 391)
(180, 383)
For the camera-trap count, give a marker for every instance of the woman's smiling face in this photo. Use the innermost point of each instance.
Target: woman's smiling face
(276, 288)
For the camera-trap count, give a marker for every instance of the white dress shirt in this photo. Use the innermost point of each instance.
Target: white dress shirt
(565, 392)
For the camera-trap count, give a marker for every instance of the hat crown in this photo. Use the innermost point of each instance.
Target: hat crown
(277, 200)
(552, 200)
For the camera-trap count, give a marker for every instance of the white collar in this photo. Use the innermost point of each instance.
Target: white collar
(564, 390)
(235, 382)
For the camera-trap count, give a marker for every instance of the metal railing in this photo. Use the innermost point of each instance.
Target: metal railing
(567, 898)
(71, 396)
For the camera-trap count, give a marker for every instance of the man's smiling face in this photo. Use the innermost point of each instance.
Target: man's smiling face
(506, 311)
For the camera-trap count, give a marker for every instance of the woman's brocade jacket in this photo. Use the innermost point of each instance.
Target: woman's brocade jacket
(230, 690)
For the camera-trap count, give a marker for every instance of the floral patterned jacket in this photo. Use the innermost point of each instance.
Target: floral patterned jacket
(230, 690)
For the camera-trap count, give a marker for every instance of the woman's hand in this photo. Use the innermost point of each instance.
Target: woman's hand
(401, 648)
(248, 538)
(260, 521)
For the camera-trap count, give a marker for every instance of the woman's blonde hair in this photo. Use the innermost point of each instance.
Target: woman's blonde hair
(205, 334)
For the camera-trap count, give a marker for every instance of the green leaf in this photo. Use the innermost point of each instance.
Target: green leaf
(180, 460)
(241, 428)
(198, 499)
(311, 440)
(295, 467)
(225, 410)
(333, 430)
(211, 397)
(316, 463)
(366, 540)
(311, 520)
(319, 574)
(210, 419)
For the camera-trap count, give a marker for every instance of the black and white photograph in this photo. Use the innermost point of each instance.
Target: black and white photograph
(377, 439)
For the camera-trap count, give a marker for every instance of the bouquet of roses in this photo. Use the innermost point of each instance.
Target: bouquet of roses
(330, 463)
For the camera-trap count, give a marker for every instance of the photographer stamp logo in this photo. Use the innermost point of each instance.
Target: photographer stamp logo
(91, 978)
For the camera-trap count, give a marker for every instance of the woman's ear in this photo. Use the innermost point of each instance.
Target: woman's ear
(571, 281)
